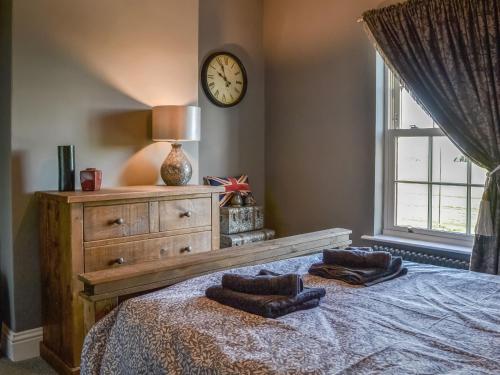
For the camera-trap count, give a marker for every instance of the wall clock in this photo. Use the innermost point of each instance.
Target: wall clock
(224, 79)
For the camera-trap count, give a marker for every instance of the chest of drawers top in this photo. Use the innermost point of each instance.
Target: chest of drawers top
(130, 192)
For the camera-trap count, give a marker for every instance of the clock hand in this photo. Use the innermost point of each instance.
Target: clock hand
(225, 79)
(223, 71)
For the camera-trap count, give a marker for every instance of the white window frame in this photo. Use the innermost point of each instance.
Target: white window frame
(391, 132)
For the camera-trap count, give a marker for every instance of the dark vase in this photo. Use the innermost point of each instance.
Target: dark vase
(66, 156)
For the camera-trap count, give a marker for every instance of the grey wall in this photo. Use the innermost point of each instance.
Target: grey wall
(86, 72)
(6, 269)
(320, 116)
(233, 138)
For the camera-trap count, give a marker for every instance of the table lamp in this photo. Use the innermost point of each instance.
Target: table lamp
(176, 123)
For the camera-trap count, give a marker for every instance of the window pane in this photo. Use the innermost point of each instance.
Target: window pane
(448, 163)
(412, 114)
(449, 208)
(478, 175)
(411, 205)
(412, 158)
(476, 195)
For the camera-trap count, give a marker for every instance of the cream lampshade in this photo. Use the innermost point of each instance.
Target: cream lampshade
(176, 123)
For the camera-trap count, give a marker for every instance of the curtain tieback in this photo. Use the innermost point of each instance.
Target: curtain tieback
(494, 170)
(484, 225)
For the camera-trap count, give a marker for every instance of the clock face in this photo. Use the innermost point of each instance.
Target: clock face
(224, 79)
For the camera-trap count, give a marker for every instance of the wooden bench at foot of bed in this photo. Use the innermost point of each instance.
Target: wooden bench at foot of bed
(103, 290)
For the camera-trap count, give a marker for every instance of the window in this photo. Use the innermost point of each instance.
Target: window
(431, 188)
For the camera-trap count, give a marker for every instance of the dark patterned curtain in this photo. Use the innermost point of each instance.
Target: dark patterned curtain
(446, 53)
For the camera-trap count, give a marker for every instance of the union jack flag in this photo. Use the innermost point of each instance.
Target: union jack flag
(231, 184)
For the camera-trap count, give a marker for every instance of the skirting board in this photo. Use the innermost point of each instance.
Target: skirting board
(18, 346)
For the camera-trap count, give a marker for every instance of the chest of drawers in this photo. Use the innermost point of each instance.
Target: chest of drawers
(92, 231)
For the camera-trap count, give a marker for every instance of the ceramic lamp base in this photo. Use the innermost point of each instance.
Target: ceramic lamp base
(176, 170)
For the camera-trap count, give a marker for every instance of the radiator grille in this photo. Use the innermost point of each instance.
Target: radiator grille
(421, 257)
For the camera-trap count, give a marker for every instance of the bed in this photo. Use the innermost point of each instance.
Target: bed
(433, 320)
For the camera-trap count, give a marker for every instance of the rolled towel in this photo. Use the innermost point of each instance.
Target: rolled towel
(357, 258)
(268, 272)
(360, 276)
(264, 284)
(268, 306)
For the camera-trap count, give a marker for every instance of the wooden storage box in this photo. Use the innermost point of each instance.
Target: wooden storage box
(238, 239)
(241, 219)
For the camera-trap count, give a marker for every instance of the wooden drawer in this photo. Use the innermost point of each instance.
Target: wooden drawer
(103, 257)
(185, 213)
(103, 222)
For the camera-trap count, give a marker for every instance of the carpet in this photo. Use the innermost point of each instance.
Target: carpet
(35, 366)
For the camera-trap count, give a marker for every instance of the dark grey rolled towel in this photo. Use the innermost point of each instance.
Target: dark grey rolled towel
(268, 306)
(360, 276)
(264, 284)
(357, 258)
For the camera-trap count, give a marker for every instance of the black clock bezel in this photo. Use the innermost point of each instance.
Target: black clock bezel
(204, 82)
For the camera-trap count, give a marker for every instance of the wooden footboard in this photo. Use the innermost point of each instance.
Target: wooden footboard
(103, 290)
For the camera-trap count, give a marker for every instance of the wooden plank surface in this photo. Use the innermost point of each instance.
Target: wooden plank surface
(121, 255)
(60, 233)
(102, 222)
(107, 281)
(142, 237)
(132, 192)
(184, 213)
(215, 221)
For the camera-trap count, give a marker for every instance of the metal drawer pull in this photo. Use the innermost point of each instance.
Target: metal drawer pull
(186, 214)
(119, 261)
(119, 221)
(186, 249)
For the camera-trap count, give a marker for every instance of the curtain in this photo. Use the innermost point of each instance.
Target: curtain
(446, 53)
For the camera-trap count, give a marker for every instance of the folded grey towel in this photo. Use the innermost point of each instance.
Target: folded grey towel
(268, 306)
(358, 258)
(358, 275)
(264, 284)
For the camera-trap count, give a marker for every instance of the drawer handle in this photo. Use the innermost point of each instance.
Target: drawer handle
(186, 249)
(187, 214)
(120, 261)
(119, 221)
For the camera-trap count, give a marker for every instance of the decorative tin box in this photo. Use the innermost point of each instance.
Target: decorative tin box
(91, 179)
(241, 219)
(230, 240)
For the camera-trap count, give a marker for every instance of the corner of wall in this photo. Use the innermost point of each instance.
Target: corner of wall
(6, 252)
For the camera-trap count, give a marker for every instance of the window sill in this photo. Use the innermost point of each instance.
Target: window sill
(431, 247)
